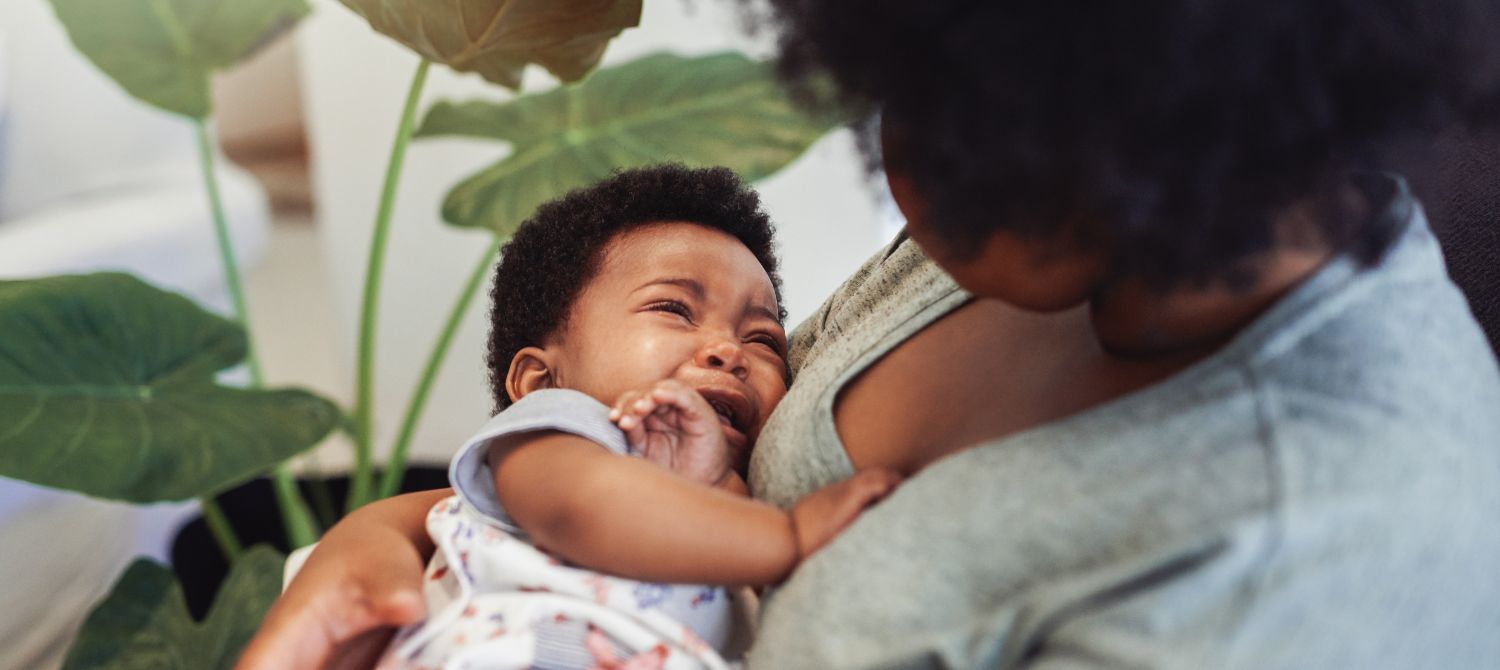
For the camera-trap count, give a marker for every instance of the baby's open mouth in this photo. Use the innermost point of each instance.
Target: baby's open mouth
(725, 412)
(733, 408)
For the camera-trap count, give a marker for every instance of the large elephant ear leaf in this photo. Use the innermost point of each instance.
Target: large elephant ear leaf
(107, 388)
(163, 51)
(144, 623)
(722, 109)
(497, 38)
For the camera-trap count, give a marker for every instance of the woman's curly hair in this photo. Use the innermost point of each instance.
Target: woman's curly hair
(1174, 130)
(555, 253)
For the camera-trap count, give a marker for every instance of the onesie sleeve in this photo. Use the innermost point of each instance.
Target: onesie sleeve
(562, 410)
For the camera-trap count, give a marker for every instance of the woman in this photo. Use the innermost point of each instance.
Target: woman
(1167, 406)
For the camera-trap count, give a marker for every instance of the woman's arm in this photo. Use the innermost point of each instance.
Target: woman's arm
(365, 576)
(628, 517)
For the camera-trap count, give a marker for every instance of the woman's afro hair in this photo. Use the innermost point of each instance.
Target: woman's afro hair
(1169, 133)
(545, 265)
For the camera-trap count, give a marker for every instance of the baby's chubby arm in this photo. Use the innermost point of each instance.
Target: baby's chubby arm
(627, 517)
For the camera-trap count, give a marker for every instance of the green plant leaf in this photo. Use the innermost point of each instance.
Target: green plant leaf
(722, 109)
(497, 38)
(163, 51)
(144, 624)
(107, 388)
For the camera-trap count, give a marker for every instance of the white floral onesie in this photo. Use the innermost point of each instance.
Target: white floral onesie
(497, 601)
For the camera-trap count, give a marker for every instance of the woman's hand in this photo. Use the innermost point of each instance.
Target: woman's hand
(671, 425)
(363, 580)
(821, 515)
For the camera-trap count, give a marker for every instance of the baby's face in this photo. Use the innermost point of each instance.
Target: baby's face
(680, 301)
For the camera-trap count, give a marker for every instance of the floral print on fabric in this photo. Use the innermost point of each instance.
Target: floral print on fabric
(496, 601)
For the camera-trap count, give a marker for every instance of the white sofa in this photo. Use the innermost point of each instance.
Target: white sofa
(90, 180)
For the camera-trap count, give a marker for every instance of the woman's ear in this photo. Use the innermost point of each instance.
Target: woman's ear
(530, 369)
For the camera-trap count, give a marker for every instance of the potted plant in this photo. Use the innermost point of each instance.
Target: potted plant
(111, 387)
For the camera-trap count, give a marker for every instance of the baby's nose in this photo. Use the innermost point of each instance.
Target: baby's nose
(723, 355)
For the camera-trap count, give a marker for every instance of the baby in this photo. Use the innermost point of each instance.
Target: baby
(636, 349)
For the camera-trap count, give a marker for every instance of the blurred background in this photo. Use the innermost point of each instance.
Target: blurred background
(91, 179)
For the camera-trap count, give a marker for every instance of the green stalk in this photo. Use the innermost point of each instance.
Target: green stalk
(324, 511)
(226, 251)
(396, 468)
(295, 517)
(218, 524)
(359, 490)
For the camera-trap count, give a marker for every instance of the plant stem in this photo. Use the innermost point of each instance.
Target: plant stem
(359, 491)
(219, 526)
(396, 468)
(226, 251)
(295, 517)
(322, 500)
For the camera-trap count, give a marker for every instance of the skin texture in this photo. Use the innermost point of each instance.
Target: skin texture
(339, 613)
(670, 301)
(931, 396)
(1054, 332)
(671, 425)
(676, 312)
(672, 529)
(1060, 332)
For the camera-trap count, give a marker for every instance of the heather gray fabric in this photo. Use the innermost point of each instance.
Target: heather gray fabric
(1321, 493)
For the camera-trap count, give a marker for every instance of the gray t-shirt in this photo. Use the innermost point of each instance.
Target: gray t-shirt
(1321, 493)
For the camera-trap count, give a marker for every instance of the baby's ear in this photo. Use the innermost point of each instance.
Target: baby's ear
(530, 369)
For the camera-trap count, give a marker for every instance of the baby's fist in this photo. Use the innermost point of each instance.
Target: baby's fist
(671, 425)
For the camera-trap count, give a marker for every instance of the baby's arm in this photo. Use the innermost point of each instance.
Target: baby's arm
(630, 518)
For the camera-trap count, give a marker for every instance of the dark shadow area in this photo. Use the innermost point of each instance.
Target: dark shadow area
(1459, 184)
(251, 508)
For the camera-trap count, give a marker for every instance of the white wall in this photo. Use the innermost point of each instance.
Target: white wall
(62, 127)
(354, 81)
(257, 104)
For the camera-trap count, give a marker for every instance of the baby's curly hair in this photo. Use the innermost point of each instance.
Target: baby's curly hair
(545, 265)
(1171, 131)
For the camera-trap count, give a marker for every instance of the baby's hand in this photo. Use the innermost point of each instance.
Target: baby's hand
(821, 515)
(672, 425)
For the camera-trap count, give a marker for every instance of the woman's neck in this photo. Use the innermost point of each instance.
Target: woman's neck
(1135, 321)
